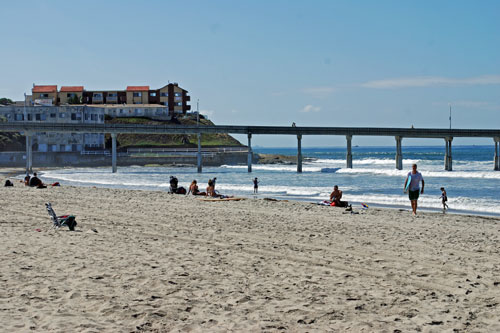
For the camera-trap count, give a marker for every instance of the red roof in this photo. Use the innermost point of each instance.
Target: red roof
(137, 88)
(71, 89)
(44, 89)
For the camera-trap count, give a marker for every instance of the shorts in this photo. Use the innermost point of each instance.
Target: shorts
(414, 194)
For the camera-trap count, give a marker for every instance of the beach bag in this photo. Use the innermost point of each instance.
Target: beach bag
(8, 183)
(333, 204)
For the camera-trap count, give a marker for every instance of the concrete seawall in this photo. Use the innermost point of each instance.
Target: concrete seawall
(18, 159)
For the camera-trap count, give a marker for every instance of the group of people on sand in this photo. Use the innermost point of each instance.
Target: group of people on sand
(193, 188)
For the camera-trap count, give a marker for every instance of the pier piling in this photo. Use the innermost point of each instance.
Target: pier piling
(448, 161)
(198, 155)
(299, 153)
(113, 152)
(29, 152)
(349, 151)
(399, 154)
(250, 153)
(496, 160)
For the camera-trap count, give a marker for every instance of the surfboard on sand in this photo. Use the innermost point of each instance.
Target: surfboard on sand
(408, 183)
(225, 199)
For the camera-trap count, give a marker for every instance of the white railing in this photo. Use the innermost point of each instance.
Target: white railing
(188, 150)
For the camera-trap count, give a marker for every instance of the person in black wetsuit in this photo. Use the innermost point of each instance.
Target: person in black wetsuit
(173, 184)
(35, 181)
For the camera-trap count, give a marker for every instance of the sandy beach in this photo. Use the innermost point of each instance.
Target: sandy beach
(160, 262)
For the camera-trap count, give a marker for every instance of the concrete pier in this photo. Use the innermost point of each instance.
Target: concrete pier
(198, 155)
(496, 160)
(29, 152)
(250, 153)
(299, 153)
(399, 153)
(113, 152)
(349, 152)
(448, 160)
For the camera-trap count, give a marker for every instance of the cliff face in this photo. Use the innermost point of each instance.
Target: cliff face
(169, 140)
(12, 142)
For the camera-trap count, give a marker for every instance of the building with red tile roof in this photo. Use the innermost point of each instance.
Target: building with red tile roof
(71, 89)
(171, 95)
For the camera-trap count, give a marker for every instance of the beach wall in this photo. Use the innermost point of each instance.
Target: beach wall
(40, 159)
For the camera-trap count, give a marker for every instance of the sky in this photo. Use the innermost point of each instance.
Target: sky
(315, 63)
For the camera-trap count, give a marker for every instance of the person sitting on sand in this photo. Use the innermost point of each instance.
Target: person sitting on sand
(173, 184)
(35, 181)
(193, 189)
(211, 189)
(27, 179)
(335, 197)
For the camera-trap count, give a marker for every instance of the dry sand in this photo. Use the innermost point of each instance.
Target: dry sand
(162, 262)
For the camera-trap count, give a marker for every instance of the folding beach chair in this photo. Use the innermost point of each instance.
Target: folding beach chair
(60, 221)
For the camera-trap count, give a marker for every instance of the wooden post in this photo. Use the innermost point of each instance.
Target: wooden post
(299, 153)
(349, 152)
(250, 153)
(113, 152)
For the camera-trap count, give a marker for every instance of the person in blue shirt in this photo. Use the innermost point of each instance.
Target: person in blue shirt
(414, 190)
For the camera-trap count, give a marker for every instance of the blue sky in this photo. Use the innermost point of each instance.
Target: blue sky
(317, 63)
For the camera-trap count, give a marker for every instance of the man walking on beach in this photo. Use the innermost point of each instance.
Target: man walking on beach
(414, 187)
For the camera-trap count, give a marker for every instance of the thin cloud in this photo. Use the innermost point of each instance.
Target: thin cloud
(208, 113)
(310, 108)
(480, 105)
(430, 81)
(319, 91)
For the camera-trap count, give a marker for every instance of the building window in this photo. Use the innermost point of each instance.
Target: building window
(152, 94)
(165, 103)
(19, 117)
(43, 117)
(137, 94)
(37, 116)
(178, 94)
(44, 95)
(62, 115)
(177, 99)
(71, 95)
(93, 117)
(112, 94)
(164, 94)
(178, 104)
(97, 96)
(73, 116)
(52, 115)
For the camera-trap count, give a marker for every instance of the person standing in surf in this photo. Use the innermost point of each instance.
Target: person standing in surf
(255, 185)
(414, 188)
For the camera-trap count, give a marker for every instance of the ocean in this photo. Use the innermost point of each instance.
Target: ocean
(473, 186)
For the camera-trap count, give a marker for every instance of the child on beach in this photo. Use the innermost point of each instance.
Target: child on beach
(444, 198)
(255, 186)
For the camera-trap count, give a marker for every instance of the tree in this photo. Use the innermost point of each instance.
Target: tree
(6, 101)
(74, 100)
